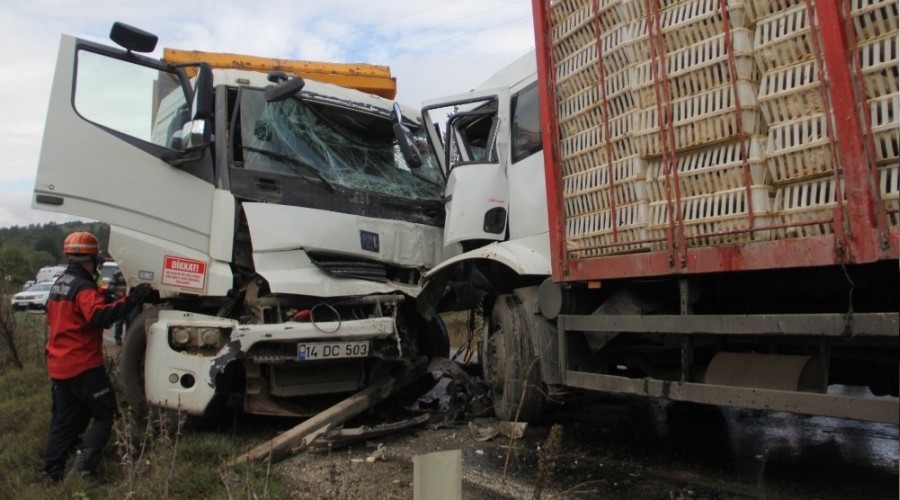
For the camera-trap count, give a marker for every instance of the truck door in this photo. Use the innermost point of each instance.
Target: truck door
(470, 134)
(112, 140)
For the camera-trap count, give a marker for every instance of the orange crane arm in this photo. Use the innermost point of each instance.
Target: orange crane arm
(369, 78)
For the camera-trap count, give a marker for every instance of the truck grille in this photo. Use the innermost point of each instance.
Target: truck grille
(349, 268)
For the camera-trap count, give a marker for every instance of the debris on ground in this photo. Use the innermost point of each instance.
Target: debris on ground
(487, 430)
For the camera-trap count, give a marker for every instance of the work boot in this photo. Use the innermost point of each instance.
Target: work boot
(51, 477)
(85, 466)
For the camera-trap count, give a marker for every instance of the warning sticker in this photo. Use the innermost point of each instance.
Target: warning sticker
(186, 273)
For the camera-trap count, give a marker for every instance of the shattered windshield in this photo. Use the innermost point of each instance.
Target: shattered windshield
(338, 145)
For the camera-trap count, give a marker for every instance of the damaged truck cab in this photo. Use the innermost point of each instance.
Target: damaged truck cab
(275, 215)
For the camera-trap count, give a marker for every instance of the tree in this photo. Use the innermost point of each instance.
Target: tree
(15, 262)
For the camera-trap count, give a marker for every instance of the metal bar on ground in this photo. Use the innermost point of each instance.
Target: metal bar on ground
(296, 439)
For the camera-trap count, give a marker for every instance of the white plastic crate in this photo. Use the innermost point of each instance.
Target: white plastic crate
(593, 234)
(573, 31)
(568, 15)
(758, 9)
(889, 188)
(589, 190)
(619, 148)
(716, 218)
(799, 149)
(615, 128)
(874, 19)
(701, 66)
(580, 111)
(684, 24)
(632, 10)
(586, 109)
(700, 120)
(561, 9)
(806, 208)
(791, 92)
(691, 15)
(580, 70)
(783, 39)
(709, 170)
(878, 59)
(884, 113)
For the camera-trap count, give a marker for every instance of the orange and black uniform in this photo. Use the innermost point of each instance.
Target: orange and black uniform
(77, 313)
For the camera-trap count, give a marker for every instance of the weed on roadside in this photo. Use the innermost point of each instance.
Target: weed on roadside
(148, 460)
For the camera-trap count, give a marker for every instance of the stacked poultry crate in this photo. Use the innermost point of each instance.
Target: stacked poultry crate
(801, 154)
(604, 181)
(708, 118)
(698, 125)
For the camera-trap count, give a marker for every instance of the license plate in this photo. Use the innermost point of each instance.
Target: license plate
(332, 350)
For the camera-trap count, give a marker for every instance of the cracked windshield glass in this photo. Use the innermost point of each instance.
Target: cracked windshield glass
(338, 145)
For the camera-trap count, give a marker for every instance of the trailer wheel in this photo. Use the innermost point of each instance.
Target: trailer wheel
(514, 371)
(131, 365)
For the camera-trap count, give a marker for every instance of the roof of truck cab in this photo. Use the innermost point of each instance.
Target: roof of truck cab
(515, 74)
(237, 77)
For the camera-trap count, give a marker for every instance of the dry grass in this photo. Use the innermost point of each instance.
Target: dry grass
(149, 460)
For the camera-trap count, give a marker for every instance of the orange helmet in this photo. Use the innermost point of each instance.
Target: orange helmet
(81, 244)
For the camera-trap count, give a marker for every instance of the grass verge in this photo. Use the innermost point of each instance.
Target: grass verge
(150, 460)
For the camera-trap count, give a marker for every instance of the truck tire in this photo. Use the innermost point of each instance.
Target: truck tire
(131, 365)
(513, 371)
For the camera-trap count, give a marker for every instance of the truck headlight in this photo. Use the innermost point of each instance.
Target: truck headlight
(205, 340)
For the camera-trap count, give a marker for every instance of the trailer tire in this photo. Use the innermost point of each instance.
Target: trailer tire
(514, 371)
(131, 365)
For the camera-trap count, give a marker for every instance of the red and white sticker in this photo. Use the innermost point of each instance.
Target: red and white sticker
(185, 273)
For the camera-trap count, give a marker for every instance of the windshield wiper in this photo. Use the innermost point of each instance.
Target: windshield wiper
(295, 163)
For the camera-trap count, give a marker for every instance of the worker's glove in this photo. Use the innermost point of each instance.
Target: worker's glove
(139, 293)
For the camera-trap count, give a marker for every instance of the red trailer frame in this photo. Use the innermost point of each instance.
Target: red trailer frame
(862, 233)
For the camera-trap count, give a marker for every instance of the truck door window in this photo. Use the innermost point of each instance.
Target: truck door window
(526, 123)
(134, 100)
(474, 135)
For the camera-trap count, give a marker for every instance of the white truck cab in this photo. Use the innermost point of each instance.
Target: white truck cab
(284, 231)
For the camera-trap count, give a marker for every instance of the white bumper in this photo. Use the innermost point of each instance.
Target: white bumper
(186, 382)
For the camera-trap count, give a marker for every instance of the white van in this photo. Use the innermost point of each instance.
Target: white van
(49, 273)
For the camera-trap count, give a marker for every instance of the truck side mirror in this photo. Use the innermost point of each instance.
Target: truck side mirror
(405, 139)
(195, 134)
(132, 39)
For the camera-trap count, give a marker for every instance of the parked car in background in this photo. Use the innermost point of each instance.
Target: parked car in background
(35, 298)
(27, 285)
(49, 273)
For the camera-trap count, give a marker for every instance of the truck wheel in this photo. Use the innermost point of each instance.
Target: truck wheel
(131, 365)
(514, 371)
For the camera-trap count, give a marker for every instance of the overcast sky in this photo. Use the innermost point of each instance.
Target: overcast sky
(433, 47)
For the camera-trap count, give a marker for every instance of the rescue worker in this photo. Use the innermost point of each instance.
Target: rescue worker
(77, 313)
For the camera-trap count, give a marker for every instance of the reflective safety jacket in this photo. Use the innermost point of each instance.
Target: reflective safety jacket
(77, 313)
